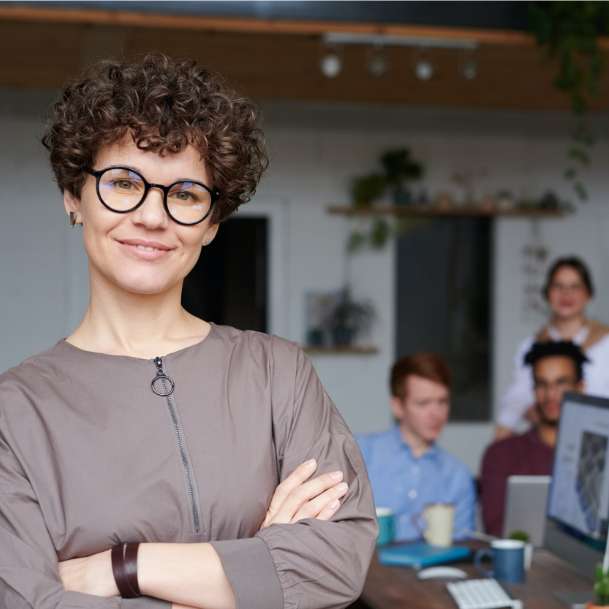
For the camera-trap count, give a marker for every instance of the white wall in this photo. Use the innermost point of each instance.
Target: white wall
(315, 150)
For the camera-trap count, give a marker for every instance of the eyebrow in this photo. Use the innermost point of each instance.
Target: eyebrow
(140, 172)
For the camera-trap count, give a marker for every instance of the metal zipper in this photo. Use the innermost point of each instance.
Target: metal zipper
(163, 386)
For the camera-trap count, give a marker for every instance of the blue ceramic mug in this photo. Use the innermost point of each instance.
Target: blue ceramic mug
(507, 556)
(386, 522)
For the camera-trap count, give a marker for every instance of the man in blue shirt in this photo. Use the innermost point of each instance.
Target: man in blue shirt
(407, 469)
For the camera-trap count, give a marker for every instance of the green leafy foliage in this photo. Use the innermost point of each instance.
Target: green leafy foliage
(568, 32)
(400, 167)
(601, 586)
(520, 536)
(366, 189)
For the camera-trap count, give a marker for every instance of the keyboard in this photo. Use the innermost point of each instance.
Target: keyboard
(481, 594)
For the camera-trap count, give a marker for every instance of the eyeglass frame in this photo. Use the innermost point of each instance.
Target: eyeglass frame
(97, 174)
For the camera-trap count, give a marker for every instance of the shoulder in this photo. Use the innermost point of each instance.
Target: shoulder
(260, 347)
(30, 380)
(368, 441)
(522, 349)
(453, 465)
(599, 338)
(500, 449)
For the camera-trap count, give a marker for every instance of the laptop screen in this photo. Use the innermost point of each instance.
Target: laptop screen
(579, 495)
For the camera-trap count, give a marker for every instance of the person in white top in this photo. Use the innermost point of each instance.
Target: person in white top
(568, 289)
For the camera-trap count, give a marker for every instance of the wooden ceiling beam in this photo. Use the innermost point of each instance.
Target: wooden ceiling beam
(261, 26)
(274, 65)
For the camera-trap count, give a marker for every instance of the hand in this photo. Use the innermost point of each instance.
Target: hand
(295, 498)
(89, 575)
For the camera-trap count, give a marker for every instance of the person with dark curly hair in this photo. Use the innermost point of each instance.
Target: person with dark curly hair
(555, 368)
(568, 289)
(151, 459)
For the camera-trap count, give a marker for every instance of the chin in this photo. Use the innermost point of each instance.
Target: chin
(143, 285)
(431, 437)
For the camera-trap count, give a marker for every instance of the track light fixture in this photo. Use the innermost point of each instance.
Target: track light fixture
(331, 63)
(378, 64)
(469, 65)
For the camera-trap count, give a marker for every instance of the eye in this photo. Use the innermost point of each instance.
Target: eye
(184, 195)
(123, 184)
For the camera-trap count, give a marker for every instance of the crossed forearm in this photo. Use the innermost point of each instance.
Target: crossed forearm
(189, 575)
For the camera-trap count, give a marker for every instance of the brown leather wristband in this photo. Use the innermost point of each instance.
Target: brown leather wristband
(124, 568)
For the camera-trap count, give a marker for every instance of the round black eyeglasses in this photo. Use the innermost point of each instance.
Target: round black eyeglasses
(122, 189)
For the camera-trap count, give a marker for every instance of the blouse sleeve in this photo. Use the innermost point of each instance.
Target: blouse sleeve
(313, 564)
(29, 575)
(519, 395)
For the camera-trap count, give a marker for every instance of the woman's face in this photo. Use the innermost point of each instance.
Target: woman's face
(143, 251)
(567, 293)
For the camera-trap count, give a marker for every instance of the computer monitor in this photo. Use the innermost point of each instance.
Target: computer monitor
(578, 502)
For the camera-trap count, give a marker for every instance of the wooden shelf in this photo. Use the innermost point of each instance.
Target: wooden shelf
(414, 211)
(354, 350)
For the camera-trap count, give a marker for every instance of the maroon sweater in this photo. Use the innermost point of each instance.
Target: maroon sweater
(525, 454)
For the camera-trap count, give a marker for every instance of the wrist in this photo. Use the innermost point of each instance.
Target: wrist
(101, 579)
(124, 561)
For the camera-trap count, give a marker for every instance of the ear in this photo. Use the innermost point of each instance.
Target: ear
(580, 387)
(71, 204)
(210, 233)
(397, 408)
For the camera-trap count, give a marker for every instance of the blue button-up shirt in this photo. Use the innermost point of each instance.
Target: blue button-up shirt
(406, 483)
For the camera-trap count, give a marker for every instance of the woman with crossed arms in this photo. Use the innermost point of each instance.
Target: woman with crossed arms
(153, 460)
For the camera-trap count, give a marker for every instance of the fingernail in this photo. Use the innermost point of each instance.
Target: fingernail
(342, 487)
(336, 476)
(334, 504)
(311, 463)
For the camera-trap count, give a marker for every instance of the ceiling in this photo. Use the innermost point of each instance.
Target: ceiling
(43, 45)
(485, 15)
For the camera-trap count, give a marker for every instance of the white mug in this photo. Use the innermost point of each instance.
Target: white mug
(438, 518)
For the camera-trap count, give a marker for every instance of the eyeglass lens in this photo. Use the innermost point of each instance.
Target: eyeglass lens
(122, 189)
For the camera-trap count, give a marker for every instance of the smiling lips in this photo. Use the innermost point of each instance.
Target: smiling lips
(145, 250)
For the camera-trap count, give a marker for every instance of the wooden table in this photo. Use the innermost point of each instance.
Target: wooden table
(399, 588)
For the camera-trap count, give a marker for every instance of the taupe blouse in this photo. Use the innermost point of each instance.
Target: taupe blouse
(96, 449)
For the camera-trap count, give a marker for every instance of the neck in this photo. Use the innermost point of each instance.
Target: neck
(118, 322)
(547, 434)
(568, 327)
(417, 445)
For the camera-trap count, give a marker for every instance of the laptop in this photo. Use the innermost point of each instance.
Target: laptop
(525, 507)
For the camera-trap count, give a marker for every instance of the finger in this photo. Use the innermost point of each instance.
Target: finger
(315, 506)
(305, 492)
(302, 473)
(329, 511)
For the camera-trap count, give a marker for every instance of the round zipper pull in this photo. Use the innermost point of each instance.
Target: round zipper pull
(162, 385)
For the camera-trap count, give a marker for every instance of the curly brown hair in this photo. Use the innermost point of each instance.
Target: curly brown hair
(165, 104)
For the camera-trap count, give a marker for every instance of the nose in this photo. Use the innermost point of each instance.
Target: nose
(151, 213)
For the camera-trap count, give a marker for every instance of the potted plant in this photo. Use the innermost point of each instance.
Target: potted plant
(348, 319)
(400, 168)
(528, 546)
(601, 589)
(368, 188)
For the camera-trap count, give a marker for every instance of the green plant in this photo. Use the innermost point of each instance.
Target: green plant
(569, 32)
(520, 536)
(601, 586)
(400, 167)
(350, 316)
(365, 189)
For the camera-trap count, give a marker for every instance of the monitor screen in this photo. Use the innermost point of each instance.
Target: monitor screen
(578, 503)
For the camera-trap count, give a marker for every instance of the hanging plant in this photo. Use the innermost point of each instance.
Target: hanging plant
(569, 32)
(398, 169)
